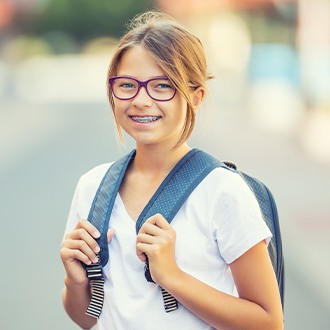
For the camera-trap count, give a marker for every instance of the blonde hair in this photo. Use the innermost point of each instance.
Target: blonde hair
(179, 54)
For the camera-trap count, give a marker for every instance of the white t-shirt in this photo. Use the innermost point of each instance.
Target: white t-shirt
(218, 223)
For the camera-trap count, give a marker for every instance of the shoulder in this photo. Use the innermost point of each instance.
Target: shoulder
(224, 181)
(84, 194)
(95, 174)
(226, 196)
(90, 181)
(234, 213)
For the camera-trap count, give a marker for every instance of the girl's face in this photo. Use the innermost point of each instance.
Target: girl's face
(147, 121)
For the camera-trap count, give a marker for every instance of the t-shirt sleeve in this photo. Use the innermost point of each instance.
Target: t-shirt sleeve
(238, 221)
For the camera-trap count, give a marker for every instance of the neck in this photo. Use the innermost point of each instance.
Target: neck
(156, 160)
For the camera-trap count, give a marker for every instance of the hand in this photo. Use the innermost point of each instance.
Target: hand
(156, 239)
(80, 246)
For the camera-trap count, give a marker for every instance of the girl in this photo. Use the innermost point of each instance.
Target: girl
(213, 257)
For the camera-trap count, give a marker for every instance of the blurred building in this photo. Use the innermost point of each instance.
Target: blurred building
(313, 42)
(272, 59)
(182, 8)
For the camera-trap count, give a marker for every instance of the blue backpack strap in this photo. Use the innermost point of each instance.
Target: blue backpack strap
(172, 194)
(178, 185)
(167, 200)
(99, 216)
(100, 211)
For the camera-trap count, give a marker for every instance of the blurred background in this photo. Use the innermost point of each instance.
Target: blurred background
(268, 111)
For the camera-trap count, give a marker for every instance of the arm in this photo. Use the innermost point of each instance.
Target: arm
(76, 297)
(79, 246)
(258, 305)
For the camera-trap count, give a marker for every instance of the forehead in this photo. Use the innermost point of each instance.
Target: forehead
(139, 63)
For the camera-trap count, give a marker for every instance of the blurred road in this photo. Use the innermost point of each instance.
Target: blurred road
(45, 148)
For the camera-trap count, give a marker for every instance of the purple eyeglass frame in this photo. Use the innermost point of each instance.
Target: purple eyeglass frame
(140, 84)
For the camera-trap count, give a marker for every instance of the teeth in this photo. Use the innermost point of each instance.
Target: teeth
(145, 119)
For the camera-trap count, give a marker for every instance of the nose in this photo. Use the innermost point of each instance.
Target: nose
(142, 98)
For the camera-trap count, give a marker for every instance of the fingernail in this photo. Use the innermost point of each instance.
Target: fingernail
(95, 260)
(96, 234)
(97, 249)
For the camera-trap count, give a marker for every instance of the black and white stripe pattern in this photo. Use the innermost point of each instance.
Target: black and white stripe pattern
(170, 303)
(95, 275)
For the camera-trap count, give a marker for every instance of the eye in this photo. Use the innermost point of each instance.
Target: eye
(164, 86)
(127, 85)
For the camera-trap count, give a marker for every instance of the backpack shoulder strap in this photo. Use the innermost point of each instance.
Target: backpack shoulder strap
(100, 211)
(167, 200)
(99, 216)
(171, 195)
(178, 185)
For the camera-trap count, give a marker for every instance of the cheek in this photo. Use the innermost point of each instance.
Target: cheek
(118, 113)
(120, 107)
(182, 108)
(116, 105)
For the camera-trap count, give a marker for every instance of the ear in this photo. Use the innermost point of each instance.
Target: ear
(198, 97)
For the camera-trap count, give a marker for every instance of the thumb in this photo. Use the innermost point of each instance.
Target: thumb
(110, 234)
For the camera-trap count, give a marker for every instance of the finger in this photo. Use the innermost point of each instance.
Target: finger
(142, 240)
(80, 234)
(151, 229)
(158, 220)
(142, 251)
(161, 235)
(110, 234)
(92, 230)
(75, 255)
(155, 225)
(147, 238)
(79, 248)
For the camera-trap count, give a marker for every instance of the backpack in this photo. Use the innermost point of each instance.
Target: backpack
(173, 191)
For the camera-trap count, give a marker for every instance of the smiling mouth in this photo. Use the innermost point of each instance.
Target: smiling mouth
(147, 119)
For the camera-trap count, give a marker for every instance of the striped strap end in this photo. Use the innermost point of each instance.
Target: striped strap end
(95, 275)
(170, 303)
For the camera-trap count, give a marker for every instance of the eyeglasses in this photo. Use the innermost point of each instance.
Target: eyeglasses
(126, 88)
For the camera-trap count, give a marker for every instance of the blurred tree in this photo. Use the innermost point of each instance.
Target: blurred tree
(83, 19)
